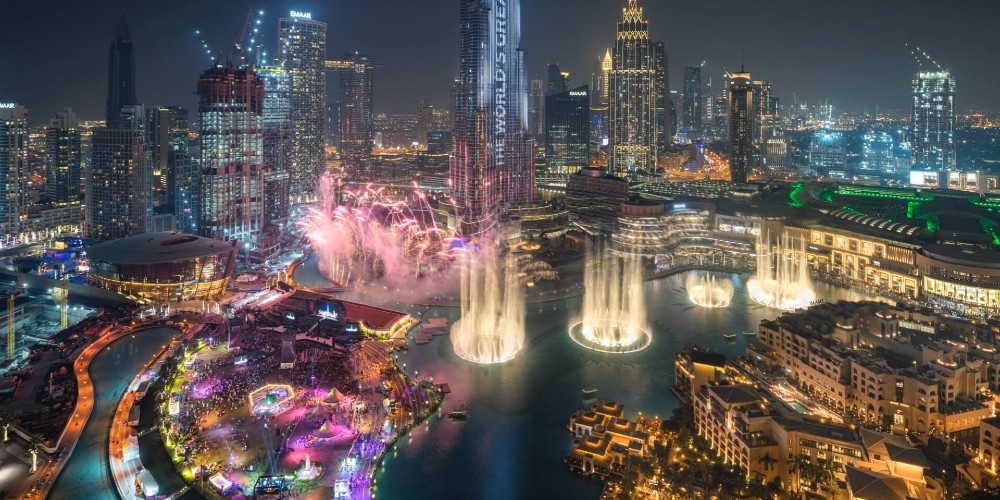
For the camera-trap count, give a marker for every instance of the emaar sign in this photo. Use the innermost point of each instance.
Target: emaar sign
(301, 15)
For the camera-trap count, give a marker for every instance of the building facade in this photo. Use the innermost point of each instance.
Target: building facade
(231, 127)
(13, 161)
(63, 159)
(302, 54)
(933, 123)
(567, 131)
(121, 74)
(119, 197)
(691, 121)
(493, 162)
(593, 198)
(632, 99)
(356, 109)
(277, 143)
(741, 126)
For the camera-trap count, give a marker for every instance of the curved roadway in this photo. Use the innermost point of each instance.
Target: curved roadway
(84, 474)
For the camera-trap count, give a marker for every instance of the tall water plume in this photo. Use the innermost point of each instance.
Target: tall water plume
(782, 279)
(491, 329)
(706, 290)
(614, 307)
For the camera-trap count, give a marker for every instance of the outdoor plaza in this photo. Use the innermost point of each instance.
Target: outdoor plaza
(239, 418)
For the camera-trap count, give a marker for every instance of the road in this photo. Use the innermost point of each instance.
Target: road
(76, 423)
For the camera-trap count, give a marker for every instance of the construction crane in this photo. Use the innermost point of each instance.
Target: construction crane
(920, 62)
(11, 304)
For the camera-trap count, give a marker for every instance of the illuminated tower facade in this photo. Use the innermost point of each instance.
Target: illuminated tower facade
(302, 54)
(933, 121)
(13, 162)
(277, 143)
(741, 125)
(63, 159)
(120, 181)
(492, 166)
(692, 118)
(356, 113)
(567, 131)
(632, 98)
(231, 127)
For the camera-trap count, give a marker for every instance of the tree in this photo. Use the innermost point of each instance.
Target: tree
(32, 450)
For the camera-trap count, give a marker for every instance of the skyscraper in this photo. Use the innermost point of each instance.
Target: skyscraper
(558, 80)
(633, 98)
(302, 53)
(63, 159)
(536, 111)
(121, 74)
(493, 158)
(691, 123)
(424, 114)
(933, 125)
(356, 102)
(120, 182)
(231, 127)
(13, 161)
(166, 131)
(741, 121)
(666, 115)
(277, 143)
(567, 131)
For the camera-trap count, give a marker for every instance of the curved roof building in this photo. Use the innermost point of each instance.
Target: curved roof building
(163, 267)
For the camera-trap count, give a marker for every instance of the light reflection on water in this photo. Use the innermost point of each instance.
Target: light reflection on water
(516, 436)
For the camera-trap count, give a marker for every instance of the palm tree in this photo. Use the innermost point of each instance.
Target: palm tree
(34, 447)
(768, 462)
(5, 424)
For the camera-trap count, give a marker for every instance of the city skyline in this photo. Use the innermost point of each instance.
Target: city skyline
(868, 53)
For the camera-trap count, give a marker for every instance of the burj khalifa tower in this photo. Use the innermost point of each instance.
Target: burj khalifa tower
(493, 163)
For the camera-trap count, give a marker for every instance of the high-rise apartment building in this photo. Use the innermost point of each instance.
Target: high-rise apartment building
(302, 54)
(493, 158)
(666, 115)
(277, 143)
(166, 131)
(567, 131)
(356, 114)
(424, 115)
(632, 98)
(63, 159)
(691, 122)
(741, 122)
(231, 127)
(599, 103)
(536, 111)
(119, 196)
(121, 73)
(13, 161)
(933, 124)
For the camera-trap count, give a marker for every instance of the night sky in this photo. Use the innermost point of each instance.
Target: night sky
(851, 52)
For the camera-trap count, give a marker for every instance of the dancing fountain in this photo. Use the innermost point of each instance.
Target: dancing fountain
(782, 279)
(491, 329)
(614, 308)
(706, 291)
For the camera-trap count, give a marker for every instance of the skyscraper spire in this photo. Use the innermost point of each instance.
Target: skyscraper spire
(121, 73)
